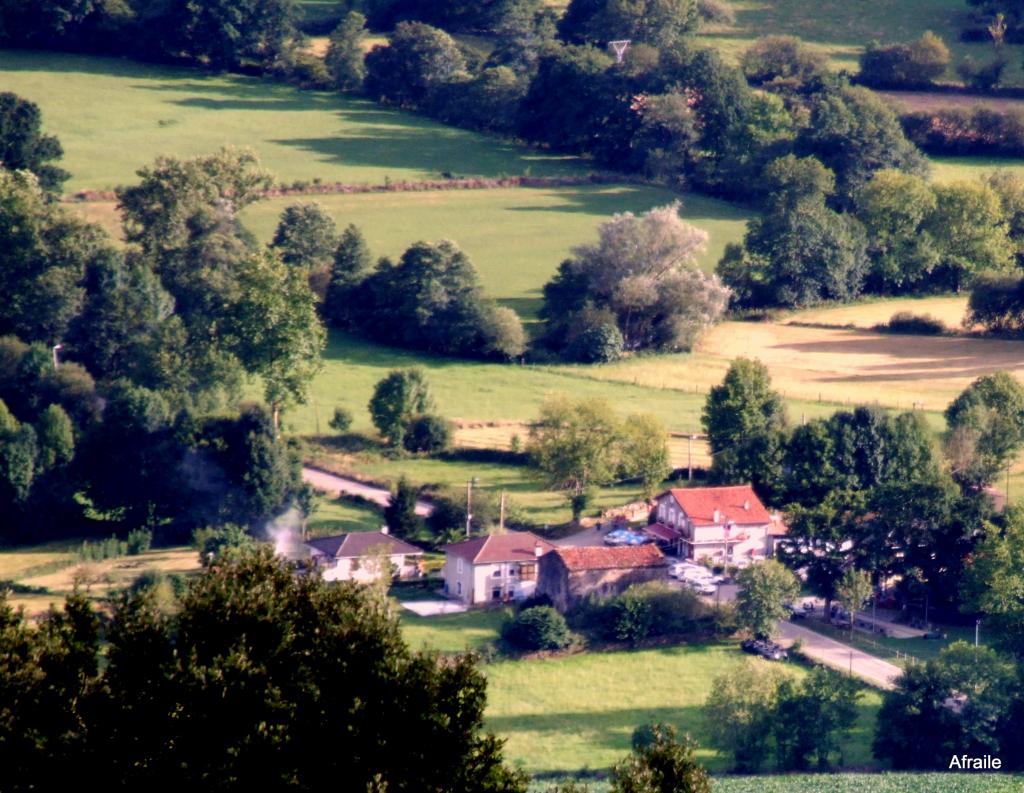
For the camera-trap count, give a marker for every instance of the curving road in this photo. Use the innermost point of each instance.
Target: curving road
(335, 485)
(840, 656)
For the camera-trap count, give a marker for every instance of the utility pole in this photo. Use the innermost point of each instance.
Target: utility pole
(469, 506)
(501, 514)
(689, 457)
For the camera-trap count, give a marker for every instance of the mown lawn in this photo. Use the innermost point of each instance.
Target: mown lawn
(114, 116)
(452, 633)
(842, 29)
(333, 516)
(579, 712)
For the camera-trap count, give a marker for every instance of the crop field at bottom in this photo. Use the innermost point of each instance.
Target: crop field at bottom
(850, 783)
(576, 712)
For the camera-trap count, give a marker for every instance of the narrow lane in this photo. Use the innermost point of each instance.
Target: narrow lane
(335, 485)
(840, 656)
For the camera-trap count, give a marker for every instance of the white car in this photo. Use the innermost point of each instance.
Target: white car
(703, 587)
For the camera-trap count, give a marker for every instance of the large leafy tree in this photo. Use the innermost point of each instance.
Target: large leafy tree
(811, 718)
(958, 703)
(397, 400)
(222, 33)
(994, 579)
(643, 452)
(894, 207)
(352, 263)
(23, 146)
(305, 236)
(765, 589)
(346, 58)
(239, 689)
(799, 252)
(572, 443)
(970, 229)
(43, 261)
(855, 134)
(739, 711)
(986, 427)
(662, 23)
(643, 270)
(663, 763)
(417, 60)
(742, 406)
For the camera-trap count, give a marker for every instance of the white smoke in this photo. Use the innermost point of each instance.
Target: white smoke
(285, 531)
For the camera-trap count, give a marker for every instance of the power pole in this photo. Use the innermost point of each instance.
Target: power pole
(469, 506)
(689, 458)
(501, 518)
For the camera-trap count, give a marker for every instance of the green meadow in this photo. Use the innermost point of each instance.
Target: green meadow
(841, 29)
(114, 116)
(515, 237)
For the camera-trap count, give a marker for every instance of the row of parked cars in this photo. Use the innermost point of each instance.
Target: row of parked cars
(698, 578)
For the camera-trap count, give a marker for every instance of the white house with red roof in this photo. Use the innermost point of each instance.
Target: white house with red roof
(724, 524)
(494, 568)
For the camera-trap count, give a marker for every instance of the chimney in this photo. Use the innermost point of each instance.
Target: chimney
(716, 517)
(538, 550)
(384, 529)
(746, 505)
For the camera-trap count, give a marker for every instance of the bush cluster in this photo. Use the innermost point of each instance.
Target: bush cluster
(911, 323)
(537, 628)
(997, 303)
(98, 550)
(644, 611)
(978, 130)
(916, 64)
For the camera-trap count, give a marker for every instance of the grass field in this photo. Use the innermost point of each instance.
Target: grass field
(954, 169)
(948, 308)
(848, 783)
(840, 365)
(515, 237)
(575, 712)
(331, 516)
(842, 29)
(114, 116)
(57, 576)
(452, 633)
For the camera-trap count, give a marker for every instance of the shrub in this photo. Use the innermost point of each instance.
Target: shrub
(997, 303)
(982, 76)
(139, 541)
(99, 550)
(633, 617)
(717, 12)
(781, 60)
(978, 130)
(537, 628)
(341, 421)
(916, 324)
(912, 65)
(601, 344)
(427, 433)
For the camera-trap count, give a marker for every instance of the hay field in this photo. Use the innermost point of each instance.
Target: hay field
(951, 309)
(97, 579)
(836, 365)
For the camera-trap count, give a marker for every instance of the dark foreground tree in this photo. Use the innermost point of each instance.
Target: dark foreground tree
(661, 763)
(261, 680)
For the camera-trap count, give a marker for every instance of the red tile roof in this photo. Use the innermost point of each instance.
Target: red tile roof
(513, 546)
(738, 504)
(600, 558)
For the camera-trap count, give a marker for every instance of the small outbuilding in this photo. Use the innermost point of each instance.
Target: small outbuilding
(568, 575)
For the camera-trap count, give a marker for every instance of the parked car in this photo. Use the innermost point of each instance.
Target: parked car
(795, 613)
(766, 649)
(703, 587)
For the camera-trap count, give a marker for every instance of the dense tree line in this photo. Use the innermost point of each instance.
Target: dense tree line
(430, 299)
(865, 488)
(114, 362)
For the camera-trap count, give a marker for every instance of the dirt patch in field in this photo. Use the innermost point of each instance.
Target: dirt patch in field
(950, 310)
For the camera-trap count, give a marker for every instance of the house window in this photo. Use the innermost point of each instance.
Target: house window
(661, 511)
(496, 593)
(458, 587)
(497, 571)
(528, 572)
(512, 571)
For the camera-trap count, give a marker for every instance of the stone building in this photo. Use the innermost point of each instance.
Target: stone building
(567, 575)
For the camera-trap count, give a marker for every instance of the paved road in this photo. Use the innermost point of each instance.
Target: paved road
(837, 655)
(338, 485)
